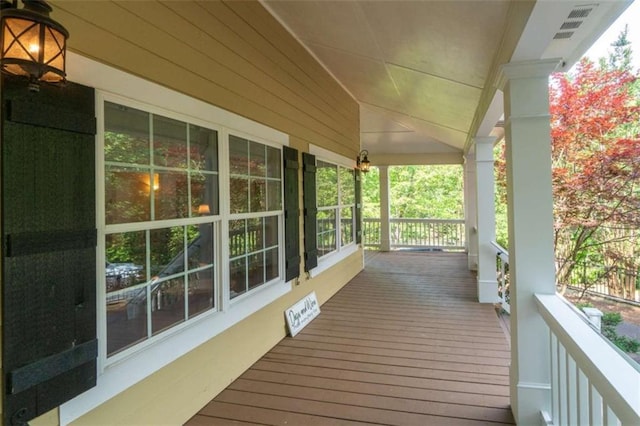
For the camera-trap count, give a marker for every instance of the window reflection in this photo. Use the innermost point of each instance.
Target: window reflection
(169, 142)
(126, 134)
(200, 292)
(239, 195)
(336, 203)
(171, 195)
(238, 156)
(326, 184)
(257, 159)
(126, 300)
(253, 247)
(204, 195)
(347, 186)
(346, 226)
(238, 277)
(127, 195)
(326, 227)
(204, 148)
(167, 304)
(180, 284)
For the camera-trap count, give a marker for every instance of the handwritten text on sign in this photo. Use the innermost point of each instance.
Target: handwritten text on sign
(301, 314)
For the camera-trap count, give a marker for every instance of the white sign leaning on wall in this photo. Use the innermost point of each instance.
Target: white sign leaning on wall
(301, 314)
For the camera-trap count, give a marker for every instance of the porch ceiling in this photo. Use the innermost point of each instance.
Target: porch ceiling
(423, 71)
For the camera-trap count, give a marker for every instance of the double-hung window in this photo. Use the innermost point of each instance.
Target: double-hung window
(165, 221)
(161, 198)
(335, 195)
(255, 187)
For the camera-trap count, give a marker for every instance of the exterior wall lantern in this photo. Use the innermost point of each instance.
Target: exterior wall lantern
(362, 161)
(33, 45)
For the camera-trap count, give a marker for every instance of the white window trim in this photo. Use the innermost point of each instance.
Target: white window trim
(341, 252)
(115, 377)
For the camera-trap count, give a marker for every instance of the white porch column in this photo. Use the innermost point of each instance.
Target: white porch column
(385, 240)
(470, 209)
(528, 156)
(486, 221)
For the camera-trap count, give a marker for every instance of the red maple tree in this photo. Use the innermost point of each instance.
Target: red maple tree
(595, 122)
(596, 165)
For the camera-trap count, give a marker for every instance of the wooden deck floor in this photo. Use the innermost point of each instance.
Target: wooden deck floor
(404, 343)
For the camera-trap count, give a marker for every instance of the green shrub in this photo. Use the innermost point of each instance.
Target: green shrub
(581, 305)
(609, 322)
(611, 319)
(627, 344)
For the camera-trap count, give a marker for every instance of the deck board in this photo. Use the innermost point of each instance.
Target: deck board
(404, 343)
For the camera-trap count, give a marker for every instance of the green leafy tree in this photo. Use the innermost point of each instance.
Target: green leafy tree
(434, 192)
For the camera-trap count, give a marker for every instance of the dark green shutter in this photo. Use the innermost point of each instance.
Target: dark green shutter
(358, 207)
(291, 214)
(49, 345)
(310, 212)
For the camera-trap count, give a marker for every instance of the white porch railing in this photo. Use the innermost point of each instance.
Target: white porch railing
(591, 381)
(502, 275)
(445, 234)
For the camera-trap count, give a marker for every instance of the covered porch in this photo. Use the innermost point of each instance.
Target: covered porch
(414, 337)
(404, 342)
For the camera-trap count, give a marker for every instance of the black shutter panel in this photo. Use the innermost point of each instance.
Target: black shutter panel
(310, 212)
(358, 206)
(49, 345)
(291, 214)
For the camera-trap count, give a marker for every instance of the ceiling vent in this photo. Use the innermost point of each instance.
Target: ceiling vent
(580, 12)
(572, 25)
(575, 18)
(563, 35)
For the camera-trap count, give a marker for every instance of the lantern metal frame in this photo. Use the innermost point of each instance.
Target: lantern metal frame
(362, 161)
(31, 43)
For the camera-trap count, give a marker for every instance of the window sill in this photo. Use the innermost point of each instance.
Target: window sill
(333, 259)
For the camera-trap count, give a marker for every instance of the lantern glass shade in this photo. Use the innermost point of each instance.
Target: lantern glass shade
(364, 165)
(35, 48)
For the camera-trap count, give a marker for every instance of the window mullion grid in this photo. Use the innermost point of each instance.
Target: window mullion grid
(225, 213)
(147, 286)
(264, 248)
(184, 228)
(152, 195)
(339, 213)
(189, 204)
(185, 249)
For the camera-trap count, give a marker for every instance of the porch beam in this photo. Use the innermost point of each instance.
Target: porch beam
(385, 239)
(486, 220)
(470, 209)
(525, 86)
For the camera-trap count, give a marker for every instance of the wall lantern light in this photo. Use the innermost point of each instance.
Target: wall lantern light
(362, 161)
(33, 45)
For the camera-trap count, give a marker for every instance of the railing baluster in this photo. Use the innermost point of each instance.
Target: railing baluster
(608, 417)
(582, 397)
(555, 379)
(435, 233)
(595, 413)
(591, 383)
(572, 391)
(562, 388)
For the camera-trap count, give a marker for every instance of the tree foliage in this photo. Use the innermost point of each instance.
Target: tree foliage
(595, 138)
(417, 192)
